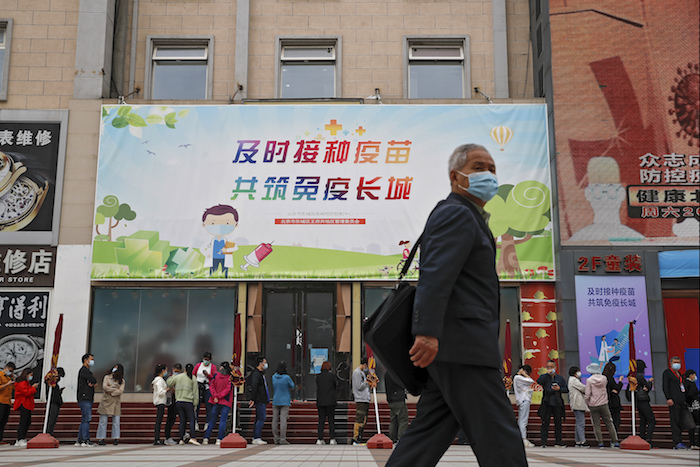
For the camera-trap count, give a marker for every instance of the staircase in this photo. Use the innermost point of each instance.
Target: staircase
(138, 419)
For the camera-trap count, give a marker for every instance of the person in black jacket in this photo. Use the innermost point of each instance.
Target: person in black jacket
(259, 396)
(614, 388)
(396, 397)
(553, 386)
(56, 400)
(326, 390)
(674, 391)
(692, 400)
(647, 421)
(86, 396)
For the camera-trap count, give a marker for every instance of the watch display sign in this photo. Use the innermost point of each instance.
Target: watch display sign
(32, 156)
(27, 266)
(23, 330)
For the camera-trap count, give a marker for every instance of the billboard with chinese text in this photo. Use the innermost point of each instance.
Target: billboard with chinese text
(626, 117)
(301, 192)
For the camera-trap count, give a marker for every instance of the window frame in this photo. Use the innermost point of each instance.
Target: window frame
(430, 41)
(6, 24)
(283, 42)
(153, 42)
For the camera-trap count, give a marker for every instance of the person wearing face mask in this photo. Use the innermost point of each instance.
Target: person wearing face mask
(258, 396)
(553, 386)
(86, 395)
(56, 399)
(171, 405)
(597, 400)
(219, 221)
(24, 402)
(360, 392)
(160, 397)
(6, 386)
(205, 372)
(692, 400)
(456, 323)
(674, 391)
(111, 403)
(647, 420)
(522, 387)
(577, 392)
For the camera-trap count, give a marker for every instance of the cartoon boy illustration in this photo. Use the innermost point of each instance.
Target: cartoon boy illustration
(219, 221)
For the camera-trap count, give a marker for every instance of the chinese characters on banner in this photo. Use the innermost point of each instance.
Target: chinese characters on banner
(27, 266)
(605, 305)
(23, 330)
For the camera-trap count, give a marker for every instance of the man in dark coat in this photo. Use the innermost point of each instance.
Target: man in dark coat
(258, 397)
(674, 391)
(456, 323)
(553, 386)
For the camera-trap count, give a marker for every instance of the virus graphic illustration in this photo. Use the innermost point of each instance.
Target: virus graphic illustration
(686, 103)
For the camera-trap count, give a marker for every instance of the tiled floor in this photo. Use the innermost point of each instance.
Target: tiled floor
(318, 456)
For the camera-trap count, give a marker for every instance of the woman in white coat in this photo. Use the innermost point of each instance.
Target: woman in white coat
(577, 402)
(160, 393)
(522, 386)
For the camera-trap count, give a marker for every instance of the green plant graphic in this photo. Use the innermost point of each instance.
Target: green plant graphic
(127, 115)
(108, 211)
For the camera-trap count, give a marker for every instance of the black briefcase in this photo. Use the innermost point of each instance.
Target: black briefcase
(388, 333)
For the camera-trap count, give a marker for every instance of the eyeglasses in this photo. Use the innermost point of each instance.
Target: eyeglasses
(598, 190)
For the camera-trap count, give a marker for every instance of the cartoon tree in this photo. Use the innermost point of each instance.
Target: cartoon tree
(520, 211)
(111, 209)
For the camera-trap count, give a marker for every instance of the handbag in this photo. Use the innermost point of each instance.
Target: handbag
(389, 335)
(687, 420)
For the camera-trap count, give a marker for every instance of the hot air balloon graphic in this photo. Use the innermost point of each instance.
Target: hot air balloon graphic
(501, 135)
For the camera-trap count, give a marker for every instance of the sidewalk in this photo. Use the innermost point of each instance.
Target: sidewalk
(318, 456)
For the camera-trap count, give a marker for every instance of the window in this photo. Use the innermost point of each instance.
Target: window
(5, 36)
(179, 68)
(308, 68)
(437, 68)
(142, 327)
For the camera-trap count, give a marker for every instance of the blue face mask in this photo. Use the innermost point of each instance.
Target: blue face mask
(220, 229)
(676, 366)
(483, 185)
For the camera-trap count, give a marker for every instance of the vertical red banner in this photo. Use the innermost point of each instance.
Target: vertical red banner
(539, 326)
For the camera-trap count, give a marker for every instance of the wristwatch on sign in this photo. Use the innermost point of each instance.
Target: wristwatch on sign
(22, 192)
(21, 349)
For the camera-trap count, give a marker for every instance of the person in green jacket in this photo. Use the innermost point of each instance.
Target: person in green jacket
(186, 395)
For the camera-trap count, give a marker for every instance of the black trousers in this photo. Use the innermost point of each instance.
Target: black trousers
(170, 421)
(25, 419)
(617, 417)
(53, 417)
(466, 396)
(160, 410)
(4, 416)
(647, 421)
(326, 412)
(547, 412)
(676, 413)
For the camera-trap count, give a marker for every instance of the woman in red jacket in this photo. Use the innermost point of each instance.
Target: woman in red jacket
(24, 401)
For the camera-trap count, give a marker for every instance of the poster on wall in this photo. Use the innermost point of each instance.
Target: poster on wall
(32, 153)
(625, 101)
(23, 330)
(604, 308)
(303, 192)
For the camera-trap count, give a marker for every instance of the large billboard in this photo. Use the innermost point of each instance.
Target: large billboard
(626, 78)
(306, 191)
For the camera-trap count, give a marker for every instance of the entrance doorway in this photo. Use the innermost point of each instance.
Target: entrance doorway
(299, 329)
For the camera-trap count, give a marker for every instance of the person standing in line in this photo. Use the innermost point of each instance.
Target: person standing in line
(597, 399)
(6, 386)
(187, 395)
(674, 391)
(86, 397)
(577, 402)
(221, 400)
(647, 420)
(171, 405)
(360, 392)
(522, 387)
(111, 404)
(204, 371)
(692, 400)
(160, 396)
(56, 400)
(396, 397)
(259, 396)
(24, 402)
(326, 399)
(553, 386)
(456, 322)
(282, 384)
(613, 387)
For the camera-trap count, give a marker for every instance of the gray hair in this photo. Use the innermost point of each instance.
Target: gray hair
(459, 156)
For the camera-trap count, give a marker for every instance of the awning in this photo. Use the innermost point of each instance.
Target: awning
(679, 263)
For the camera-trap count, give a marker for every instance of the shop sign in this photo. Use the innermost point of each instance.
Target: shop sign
(27, 266)
(23, 329)
(611, 263)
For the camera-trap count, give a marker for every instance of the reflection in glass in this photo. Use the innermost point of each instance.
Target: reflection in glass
(179, 80)
(374, 297)
(307, 80)
(435, 80)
